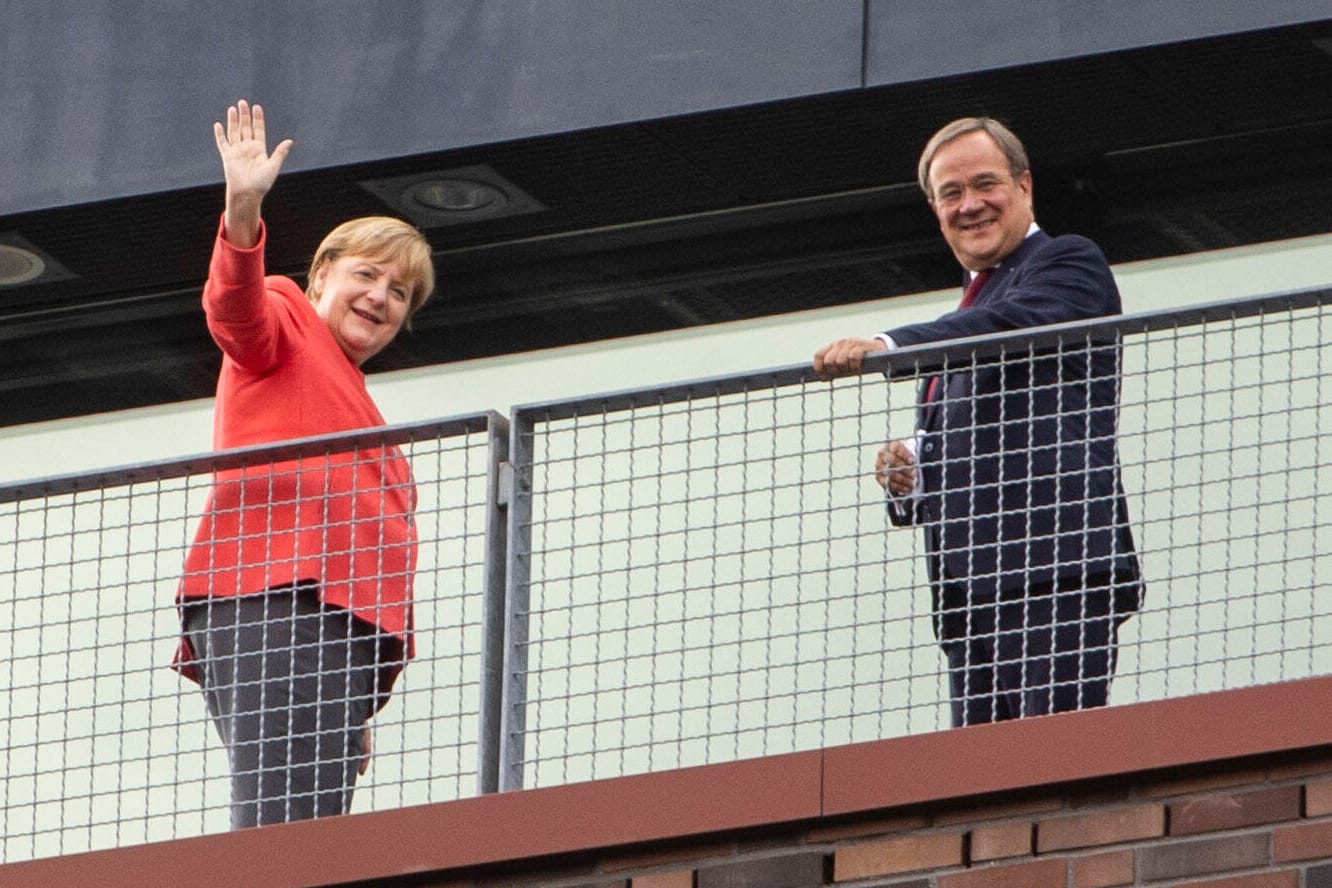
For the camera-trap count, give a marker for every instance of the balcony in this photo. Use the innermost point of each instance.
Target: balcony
(679, 612)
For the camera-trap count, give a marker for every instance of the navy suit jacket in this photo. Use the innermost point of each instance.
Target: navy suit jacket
(1018, 462)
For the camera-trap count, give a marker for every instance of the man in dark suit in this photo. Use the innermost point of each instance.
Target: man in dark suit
(1013, 472)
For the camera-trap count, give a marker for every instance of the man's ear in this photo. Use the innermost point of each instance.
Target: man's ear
(1024, 182)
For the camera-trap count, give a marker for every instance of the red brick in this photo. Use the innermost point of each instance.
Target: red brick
(1106, 827)
(1319, 766)
(1040, 874)
(1102, 796)
(999, 840)
(678, 879)
(803, 870)
(1226, 779)
(1318, 798)
(878, 826)
(666, 856)
(1200, 857)
(766, 845)
(999, 810)
(899, 855)
(1304, 842)
(1288, 879)
(1233, 810)
(1103, 870)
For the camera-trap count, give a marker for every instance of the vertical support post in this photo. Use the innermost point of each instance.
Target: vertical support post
(518, 575)
(498, 487)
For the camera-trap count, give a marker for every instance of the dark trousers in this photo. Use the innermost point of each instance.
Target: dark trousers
(289, 683)
(1050, 650)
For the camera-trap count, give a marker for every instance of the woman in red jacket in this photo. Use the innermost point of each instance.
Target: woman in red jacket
(296, 596)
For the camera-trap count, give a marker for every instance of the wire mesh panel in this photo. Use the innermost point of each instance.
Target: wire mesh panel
(710, 579)
(713, 575)
(105, 745)
(1228, 424)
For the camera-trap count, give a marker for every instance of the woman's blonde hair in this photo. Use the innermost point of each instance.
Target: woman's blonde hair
(382, 239)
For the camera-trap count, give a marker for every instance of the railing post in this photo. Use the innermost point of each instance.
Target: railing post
(498, 487)
(513, 719)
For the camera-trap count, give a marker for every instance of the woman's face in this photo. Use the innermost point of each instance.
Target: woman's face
(364, 303)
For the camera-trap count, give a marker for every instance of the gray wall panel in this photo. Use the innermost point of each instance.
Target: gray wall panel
(109, 98)
(106, 98)
(919, 39)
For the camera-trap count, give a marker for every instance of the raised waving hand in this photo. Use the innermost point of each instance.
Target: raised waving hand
(250, 170)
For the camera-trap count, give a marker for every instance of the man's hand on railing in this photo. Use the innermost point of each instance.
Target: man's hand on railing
(842, 357)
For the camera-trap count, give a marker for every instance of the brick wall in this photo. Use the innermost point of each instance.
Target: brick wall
(1263, 823)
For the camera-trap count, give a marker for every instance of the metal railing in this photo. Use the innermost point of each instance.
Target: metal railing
(712, 574)
(666, 577)
(104, 745)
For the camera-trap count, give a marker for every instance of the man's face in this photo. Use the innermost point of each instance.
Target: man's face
(983, 211)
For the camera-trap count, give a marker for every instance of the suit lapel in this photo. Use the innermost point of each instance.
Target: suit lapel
(994, 290)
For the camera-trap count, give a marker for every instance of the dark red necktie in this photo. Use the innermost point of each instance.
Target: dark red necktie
(968, 297)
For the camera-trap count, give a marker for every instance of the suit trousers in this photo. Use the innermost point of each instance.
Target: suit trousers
(1053, 649)
(289, 683)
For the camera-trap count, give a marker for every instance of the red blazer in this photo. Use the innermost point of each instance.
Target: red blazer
(343, 521)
